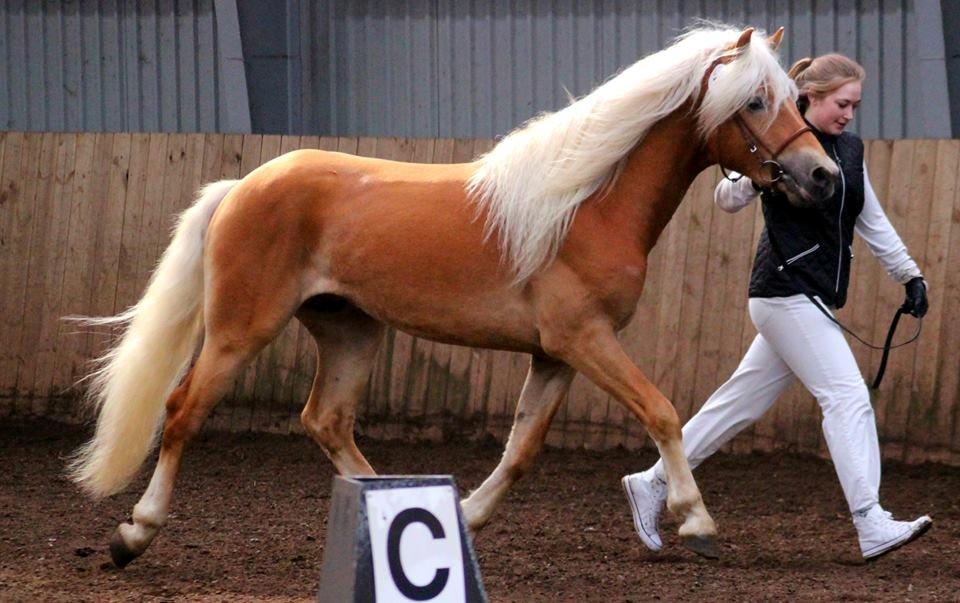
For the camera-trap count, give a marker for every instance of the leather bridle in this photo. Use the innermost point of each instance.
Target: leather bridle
(754, 142)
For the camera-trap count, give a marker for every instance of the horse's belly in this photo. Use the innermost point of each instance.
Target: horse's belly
(453, 316)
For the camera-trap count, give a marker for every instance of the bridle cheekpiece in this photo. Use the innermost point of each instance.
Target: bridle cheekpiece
(754, 143)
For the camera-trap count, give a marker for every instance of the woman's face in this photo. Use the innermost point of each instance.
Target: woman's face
(832, 112)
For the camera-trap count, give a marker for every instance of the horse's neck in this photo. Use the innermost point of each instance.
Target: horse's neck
(656, 176)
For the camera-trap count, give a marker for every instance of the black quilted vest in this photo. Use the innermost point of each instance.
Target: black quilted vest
(815, 243)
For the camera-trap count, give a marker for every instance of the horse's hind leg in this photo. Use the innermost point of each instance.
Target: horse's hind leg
(347, 341)
(206, 384)
(547, 383)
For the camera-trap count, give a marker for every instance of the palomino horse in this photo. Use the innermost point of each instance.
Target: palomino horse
(540, 246)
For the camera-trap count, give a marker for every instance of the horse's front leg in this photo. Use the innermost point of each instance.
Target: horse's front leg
(547, 383)
(591, 347)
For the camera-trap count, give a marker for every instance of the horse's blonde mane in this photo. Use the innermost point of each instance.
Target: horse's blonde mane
(531, 184)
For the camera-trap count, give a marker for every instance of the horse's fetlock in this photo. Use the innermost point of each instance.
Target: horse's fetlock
(149, 516)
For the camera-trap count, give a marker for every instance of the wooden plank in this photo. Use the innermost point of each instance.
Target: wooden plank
(947, 391)
(929, 429)
(882, 171)
(31, 222)
(108, 236)
(21, 152)
(916, 401)
(911, 188)
(75, 290)
(231, 156)
(193, 176)
(94, 195)
(6, 182)
(923, 230)
(52, 371)
(128, 280)
(50, 277)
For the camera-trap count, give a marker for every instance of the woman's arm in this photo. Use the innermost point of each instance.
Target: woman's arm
(733, 196)
(882, 239)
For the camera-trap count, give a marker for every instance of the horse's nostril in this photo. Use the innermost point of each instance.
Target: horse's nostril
(820, 176)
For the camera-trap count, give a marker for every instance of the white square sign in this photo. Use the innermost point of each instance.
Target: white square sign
(415, 542)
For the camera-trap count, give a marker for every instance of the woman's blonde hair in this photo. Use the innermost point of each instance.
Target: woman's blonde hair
(823, 75)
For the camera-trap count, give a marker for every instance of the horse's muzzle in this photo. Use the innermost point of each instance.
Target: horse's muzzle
(809, 180)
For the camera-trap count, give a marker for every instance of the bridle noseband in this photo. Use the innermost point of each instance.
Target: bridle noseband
(754, 143)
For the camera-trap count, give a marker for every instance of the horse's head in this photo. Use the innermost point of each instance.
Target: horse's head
(765, 138)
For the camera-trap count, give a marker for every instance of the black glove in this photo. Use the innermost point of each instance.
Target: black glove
(915, 303)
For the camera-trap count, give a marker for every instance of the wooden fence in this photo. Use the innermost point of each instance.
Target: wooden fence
(84, 218)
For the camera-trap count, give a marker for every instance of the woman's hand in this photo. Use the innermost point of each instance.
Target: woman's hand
(915, 303)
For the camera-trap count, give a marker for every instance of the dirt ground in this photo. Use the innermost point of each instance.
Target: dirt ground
(248, 524)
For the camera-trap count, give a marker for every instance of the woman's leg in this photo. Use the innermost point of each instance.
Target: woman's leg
(816, 351)
(752, 389)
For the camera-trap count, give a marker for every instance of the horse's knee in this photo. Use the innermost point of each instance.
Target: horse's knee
(662, 421)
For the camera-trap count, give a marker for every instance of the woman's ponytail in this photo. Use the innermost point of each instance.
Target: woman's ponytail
(796, 74)
(799, 67)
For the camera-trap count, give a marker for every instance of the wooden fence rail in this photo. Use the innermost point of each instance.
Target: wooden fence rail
(84, 218)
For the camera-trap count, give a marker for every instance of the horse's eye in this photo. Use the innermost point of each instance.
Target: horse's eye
(755, 104)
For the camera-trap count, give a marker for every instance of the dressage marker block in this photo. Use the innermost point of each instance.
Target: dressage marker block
(398, 538)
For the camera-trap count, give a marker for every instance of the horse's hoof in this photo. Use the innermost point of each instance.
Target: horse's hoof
(705, 546)
(120, 553)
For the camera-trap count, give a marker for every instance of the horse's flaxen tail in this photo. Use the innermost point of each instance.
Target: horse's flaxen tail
(133, 379)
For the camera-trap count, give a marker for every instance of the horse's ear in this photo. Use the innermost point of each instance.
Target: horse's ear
(744, 38)
(775, 39)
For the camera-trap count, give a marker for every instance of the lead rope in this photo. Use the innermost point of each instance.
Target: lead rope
(887, 346)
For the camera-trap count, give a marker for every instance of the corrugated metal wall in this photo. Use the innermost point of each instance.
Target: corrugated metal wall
(479, 67)
(120, 65)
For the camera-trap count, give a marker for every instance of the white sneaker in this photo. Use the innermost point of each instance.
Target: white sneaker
(880, 533)
(647, 495)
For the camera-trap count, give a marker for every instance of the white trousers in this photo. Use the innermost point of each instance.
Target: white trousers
(795, 340)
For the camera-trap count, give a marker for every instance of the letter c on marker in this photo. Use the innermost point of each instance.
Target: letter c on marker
(399, 524)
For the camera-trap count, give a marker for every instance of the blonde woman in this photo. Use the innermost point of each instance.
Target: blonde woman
(806, 251)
